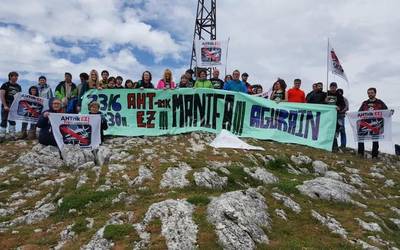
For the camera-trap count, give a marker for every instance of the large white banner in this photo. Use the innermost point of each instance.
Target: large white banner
(210, 53)
(82, 130)
(375, 125)
(27, 108)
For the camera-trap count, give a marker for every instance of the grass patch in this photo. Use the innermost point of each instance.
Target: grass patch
(80, 226)
(289, 186)
(278, 164)
(118, 232)
(199, 200)
(81, 198)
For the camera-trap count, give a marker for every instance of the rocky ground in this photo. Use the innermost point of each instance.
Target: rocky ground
(176, 192)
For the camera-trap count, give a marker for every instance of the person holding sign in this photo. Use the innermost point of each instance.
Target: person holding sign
(7, 92)
(45, 134)
(145, 83)
(279, 91)
(34, 91)
(370, 105)
(202, 82)
(166, 82)
(94, 109)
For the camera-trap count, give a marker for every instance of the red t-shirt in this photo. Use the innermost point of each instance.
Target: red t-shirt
(296, 95)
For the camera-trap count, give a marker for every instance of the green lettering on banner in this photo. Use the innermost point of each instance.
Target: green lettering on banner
(160, 112)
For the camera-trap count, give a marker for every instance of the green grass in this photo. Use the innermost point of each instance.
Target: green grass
(278, 164)
(80, 226)
(289, 186)
(118, 232)
(80, 198)
(199, 200)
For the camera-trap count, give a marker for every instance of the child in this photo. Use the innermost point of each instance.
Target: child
(94, 109)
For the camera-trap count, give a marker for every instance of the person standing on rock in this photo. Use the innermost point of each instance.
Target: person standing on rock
(145, 82)
(45, 90)
(31, 134)
(167, 81)
(369, 105)
(67, 92)
(279, 91)
(45, 134)
(333, 97)
(235, 84)
(216, 82)
(317, 96)
(341, 121)
(7, 92)
(295, 94)
(202, 81)
(94, 109)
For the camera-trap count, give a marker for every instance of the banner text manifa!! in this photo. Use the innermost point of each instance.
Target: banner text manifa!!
(160, 112)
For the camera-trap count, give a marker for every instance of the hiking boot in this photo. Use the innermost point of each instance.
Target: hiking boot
(11, 131)
(23, 135)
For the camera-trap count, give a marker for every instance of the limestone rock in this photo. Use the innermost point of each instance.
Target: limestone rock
(177, 225)
(97, 242)
(288, 202)
(320, 167)
(333, 175)
(238, 218)
(327, 189)
(261, 174)
(331, 223)
(103, 154)
(300, 159)
(74, 156)
(395, 221)
(145, 174)
(372, 227)
(175, 177)
(281, 213)
(42, 156)
(32, 217)
(209, 179)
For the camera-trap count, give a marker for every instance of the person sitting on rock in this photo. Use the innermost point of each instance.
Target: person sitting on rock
(94, 109)
(46, 136)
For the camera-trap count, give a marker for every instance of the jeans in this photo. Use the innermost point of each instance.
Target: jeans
(375, 149)
(4, 118)
(342, 131)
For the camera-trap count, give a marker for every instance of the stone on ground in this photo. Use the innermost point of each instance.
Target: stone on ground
(238, 218)
(177, 225)
(262, 175)
(209, 179)
(175, 177)
(327, 189)
(288, 202)
(331, 223)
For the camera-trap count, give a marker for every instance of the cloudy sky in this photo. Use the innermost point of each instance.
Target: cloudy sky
(268, 39)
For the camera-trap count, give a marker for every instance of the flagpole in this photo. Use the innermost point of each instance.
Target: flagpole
(226, 59)
(327, 67)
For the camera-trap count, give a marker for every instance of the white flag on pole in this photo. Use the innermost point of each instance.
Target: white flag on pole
(210, 53)
(334, 64)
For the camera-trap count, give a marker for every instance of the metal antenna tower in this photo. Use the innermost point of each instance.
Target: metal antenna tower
(205, 27)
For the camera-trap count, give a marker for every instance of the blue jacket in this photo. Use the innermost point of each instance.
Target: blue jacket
(237, 86)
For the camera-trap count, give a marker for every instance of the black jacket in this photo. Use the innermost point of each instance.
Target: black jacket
(316, 97)
(45, 134)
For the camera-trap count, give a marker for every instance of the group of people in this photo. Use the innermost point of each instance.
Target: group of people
(67, 97)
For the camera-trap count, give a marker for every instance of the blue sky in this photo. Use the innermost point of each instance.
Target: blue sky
(268, 39)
